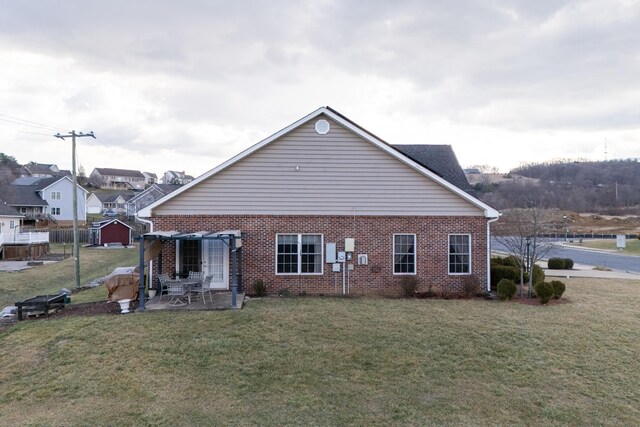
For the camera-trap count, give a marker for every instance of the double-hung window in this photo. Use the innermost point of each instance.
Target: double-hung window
(299, 254)
(459, 253)
(404, 254)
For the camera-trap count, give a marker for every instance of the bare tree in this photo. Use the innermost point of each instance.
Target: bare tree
(520, 232)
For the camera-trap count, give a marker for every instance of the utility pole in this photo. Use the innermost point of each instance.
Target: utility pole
(76, 246)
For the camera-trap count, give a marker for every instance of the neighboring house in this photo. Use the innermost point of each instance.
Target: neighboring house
(148, 196)
(58, 193)
(324, 206)
(175, 177)
(110, 231)
(94, 204)
(99, 201)
(10, 221)
(26, 200)
(118, 178)
(39, 170)
(150, 178)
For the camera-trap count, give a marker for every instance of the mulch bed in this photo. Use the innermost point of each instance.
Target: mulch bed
(91, 309)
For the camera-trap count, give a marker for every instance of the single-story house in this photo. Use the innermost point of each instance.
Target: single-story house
(99, 201)
(110, 231)
(326, 207)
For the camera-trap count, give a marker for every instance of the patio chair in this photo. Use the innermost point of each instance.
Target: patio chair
(206, 287)
(164, 280)
(196, 275)
(175, 291)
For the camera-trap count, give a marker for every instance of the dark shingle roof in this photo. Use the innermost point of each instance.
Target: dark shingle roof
(39, 168)
(7, 210)
(119, 172)
(21, 195)
(27, 180)
(438, 158)
(168, 188)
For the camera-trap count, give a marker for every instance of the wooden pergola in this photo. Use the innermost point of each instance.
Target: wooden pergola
(151, 246)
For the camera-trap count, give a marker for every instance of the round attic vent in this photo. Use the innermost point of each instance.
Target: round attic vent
(322, 127)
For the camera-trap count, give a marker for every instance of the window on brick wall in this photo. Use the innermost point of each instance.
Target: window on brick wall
(404, 254)
(459, 253)
(299, 254)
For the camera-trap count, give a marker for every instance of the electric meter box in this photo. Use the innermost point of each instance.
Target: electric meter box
(349, 245)
(330, 253)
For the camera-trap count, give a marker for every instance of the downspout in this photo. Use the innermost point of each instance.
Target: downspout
(489, 251)
(141, 289)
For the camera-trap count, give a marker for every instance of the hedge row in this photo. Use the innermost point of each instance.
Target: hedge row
(560, 264)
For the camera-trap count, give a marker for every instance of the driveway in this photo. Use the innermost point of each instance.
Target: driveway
(11, 266)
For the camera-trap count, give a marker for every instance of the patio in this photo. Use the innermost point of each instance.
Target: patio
(229, 252)
(221, 301)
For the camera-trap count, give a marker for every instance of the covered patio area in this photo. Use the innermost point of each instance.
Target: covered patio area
(219, 257)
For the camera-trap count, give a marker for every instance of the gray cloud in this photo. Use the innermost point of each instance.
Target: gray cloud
(516, 65)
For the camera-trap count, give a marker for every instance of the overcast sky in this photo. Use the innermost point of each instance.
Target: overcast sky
(186, 85)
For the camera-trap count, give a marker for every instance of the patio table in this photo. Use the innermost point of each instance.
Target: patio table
(188, 285)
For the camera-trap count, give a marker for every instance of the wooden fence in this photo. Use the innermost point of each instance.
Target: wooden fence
(65, 235)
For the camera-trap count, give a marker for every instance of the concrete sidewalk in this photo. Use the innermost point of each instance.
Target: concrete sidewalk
(12, 266)
(581, 270)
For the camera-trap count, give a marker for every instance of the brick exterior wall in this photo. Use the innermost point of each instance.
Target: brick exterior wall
(373, 236)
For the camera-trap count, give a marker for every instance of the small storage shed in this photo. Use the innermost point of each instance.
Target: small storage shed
(110, 231)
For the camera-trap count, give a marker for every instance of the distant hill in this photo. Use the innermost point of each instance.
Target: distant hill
(607, 187)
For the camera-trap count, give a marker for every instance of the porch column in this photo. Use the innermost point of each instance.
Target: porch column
(141, 266)
(234, 279)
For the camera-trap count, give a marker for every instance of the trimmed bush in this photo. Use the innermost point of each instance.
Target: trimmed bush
(556, 264)
(544, 290)
(558, 288)
(538, 275)
(499, 272)
(568, 263)
(512, 261)
(409, 285)
(506, 289)
(260, 288)
(496, 260)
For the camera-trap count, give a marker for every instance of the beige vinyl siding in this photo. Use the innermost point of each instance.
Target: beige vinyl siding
(339, 174)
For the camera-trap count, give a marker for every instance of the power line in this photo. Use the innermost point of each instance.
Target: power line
(30, 123)
(35, 133)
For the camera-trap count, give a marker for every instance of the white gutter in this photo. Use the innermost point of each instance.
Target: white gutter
(489, 251)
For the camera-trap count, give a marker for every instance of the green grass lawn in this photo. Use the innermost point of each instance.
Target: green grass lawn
(333, 361)
(633, 245)
(94, 263)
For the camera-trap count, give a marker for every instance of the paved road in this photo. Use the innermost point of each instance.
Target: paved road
(591, 257)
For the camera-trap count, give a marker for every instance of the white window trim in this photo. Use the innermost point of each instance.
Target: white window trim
(300, 273)
(449, 255)
(415, 254)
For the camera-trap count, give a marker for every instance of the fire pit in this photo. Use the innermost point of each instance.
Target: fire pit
(40, 304)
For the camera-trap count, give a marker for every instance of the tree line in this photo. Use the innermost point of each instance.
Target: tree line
(611, 187)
